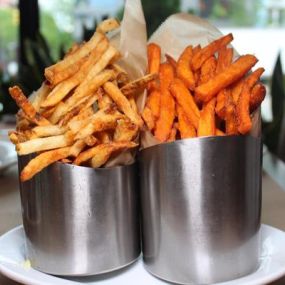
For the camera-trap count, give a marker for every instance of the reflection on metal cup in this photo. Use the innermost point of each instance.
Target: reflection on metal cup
(201, 205)
(81, 221)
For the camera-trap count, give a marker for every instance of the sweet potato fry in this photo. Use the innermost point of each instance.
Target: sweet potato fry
(166, 117)
(257, 95)
(153, 56)
(185, 128)
(122, 102)
(254, 77)
(138, 85)
(225, 58)
(184, 71)
(196, 49)
(221, 102)
(153, 103)
(207, 125)
(236, 90)
(243, 111)
(210, 50)
(219, 133)
(166, 76)
(231, 118)
(148, 118)
(186, 101)
(125, 131)
(208, 70)
(23, 103)
(171, 61)
(173, 133)
(233, 73)
(41, 161)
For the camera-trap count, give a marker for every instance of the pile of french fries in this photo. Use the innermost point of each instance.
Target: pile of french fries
(203, 93)
(84, 113)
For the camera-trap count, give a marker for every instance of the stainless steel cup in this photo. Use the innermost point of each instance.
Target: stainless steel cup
(201, 205)
(79, 220)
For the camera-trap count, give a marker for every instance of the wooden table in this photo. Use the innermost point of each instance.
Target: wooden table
(10, 210)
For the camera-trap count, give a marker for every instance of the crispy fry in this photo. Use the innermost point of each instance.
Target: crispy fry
(208, 70)
(105, 101)
(138, 85)
(41, 161)
(40, 96)
(76, 148)
(108, 25)
(148, 118)
(122, 102)
(234, 72)
(244, 120)
(125, 131)
(200, 57)
(23, 103)
(46, 131)
(91, 140)
(206, 125)
(257, 95)
(46, 113)
(184, 71)
(186, 101)
(153, 56)
(153, 103)
(171, 61)
(185, 128)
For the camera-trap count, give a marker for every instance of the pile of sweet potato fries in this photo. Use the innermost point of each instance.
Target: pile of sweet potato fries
(203, 93)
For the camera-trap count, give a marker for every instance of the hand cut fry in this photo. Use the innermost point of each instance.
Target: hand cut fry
(76, 148)
(200, 57)
(207, 120)
(104, 137)
(90, 140)
(50, 130)
(186, 101)
(243, 115)
(122, 102)
(40, 96)
(185, 128)
(153, 55)
(184, 71)
(257, 95)
(234, 72)
(42, 161)
(125, 131)
(23, 103)
(107, 25)
(105, 101)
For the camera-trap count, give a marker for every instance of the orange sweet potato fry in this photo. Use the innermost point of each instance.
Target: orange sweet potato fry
(221, 102)
(207, 125)
(254, 77)
(205, 92)
(184, 71)
(171, 60)
(167, 114)
(230, 118)
(173, 132)
(148, 118)
(153, 55)
(210, 50)
(243, 112)
(208, 70)
(257, 95)
(225, 58)
(219, 133)
(186, 101)
(196, 49)
(153, 103)
(166, 75)
(236, 90)
(185, 128)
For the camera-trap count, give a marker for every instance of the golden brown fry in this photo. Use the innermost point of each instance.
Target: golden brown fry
(91, 140)
(153, 56)
(108, 25)
(39, 96)
(104, 137)
(76, 148)
(171, 61)
(41, 161)
(184, 71)
(23, 103)
(185, 128)
(46, 131)
(208, 70)
(148, 118)
(186, 101)
(233, 73)
(200, 57)
(243, 112)
(138, 85)
(257, 95)
(122, 102)
(153, 103)
(105, 101)
(207, 125)
(125, 131)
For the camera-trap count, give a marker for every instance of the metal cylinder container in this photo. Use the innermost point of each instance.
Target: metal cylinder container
(201, 205)
(81, 221)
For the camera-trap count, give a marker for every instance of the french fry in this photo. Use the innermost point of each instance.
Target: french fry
(243, 111)
(173, 133)
(183, 70)
(103, 137)
(125, 131)
(105, 101)
(185, 128)
(138, 85)
(233, 73)
(220, 133)
(196, 49)
(42, 161)
(46, 131)
(153, 56)
(148, 118)
(236, 90)
(225, 58)
(171, 61)
(23, 103)
(200, 57)
(221, 102)
(208, 70)
(122, 102)
(231, 118)
(153, 103)
(254, 77)
(91, 140)
(186, 101)
(257, 95)
(206, 125)
(76, 148)
(107, 25)
(40, 96)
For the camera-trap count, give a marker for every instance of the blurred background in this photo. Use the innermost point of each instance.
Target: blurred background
(36, 33)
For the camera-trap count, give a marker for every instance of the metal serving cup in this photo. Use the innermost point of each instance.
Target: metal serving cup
(201, 205)
(81, 221)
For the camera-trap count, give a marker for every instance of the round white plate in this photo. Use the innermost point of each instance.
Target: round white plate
(8, 155)
(12, 264)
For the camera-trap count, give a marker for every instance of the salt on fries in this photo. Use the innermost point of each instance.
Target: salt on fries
(204, 93)
(84, 113)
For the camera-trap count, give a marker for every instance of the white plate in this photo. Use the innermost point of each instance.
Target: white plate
(8, 155)
(12, 264)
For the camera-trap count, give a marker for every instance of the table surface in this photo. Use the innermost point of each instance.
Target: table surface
(10, 208)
